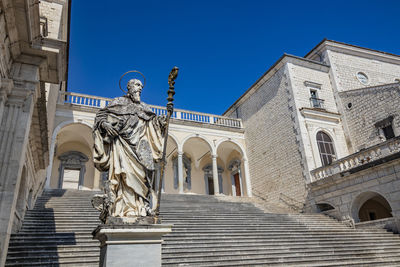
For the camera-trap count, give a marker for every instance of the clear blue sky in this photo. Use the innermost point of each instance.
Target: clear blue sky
(221, 47)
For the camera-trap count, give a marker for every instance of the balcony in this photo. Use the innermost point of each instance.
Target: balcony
(366, 158)
(317, 103)
(97, 102)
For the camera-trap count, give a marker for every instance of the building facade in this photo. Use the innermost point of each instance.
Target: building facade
(33, 69)
(317, 133)
(309, 119)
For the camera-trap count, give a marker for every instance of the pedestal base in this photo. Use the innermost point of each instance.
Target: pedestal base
(131, 245)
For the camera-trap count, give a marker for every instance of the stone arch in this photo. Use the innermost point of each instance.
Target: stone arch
(68, 136)
(376, 203)
(53, 143)
(232, 153)
(241, 148)
(202, 137)
(200, 150)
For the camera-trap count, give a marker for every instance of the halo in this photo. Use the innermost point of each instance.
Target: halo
(144, 79)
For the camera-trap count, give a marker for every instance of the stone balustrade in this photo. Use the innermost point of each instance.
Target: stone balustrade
(357, 160)
(179, 114)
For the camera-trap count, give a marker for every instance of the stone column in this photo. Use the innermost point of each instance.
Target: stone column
(14, 132)
(215, 174)
(5, 89)
(180, 172)
(247, 176)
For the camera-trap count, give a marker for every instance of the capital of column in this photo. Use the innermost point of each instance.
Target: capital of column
(214, 156)
(5, 88)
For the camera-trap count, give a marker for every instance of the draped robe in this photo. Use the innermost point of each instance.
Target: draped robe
(128, 157)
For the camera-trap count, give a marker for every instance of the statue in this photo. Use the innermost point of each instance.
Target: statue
(128, 141)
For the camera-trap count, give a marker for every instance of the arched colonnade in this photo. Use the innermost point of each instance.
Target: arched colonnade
(201, 163)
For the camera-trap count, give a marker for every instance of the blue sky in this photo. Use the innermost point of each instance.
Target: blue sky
(221, 47)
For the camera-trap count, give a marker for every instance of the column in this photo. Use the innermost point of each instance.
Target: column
(215, 174)
(5, 89)
(180, 172)
(14, 132)
(247, 176)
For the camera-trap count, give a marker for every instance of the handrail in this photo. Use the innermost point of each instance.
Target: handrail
(178, 114)
(358, 159)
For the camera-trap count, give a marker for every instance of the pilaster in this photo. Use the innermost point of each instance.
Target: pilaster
(247, 176)
(14, 131)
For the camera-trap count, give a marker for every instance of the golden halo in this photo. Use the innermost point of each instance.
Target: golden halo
(144, 79)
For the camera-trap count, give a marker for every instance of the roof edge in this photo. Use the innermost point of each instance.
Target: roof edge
(284, 56)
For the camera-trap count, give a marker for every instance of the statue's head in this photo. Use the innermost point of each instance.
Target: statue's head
(135, 87)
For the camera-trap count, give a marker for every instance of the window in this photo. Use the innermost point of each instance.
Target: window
(385, 128)
(362, 77)
(315, 101)
(388, 132)
(326, 149)
(44, 27)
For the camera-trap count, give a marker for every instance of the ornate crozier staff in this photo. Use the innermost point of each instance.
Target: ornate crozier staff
(170, 109)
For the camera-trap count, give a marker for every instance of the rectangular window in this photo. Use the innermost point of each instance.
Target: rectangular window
(315, 101)
(388, 132)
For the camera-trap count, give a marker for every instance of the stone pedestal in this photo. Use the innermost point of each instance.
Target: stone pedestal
(131, 245)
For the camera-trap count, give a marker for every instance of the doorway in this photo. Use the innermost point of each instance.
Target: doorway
(236, 179)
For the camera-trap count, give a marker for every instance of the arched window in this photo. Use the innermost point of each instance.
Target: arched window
(326, 149)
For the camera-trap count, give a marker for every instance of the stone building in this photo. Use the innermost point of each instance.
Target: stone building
(323, 131)
(33, 68)
(317, 133)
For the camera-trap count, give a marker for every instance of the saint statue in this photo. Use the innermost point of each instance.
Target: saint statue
(128, 141)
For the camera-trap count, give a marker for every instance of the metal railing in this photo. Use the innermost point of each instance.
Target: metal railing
(179, 114)
(358, 159)
(317, 102)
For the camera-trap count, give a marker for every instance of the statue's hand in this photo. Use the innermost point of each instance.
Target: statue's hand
(109, 129)
(163, 120)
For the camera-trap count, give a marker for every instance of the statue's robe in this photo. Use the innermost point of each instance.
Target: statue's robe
(130, 156)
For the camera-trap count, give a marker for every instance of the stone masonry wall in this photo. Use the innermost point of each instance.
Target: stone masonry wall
(347, 194)
(52, 11)
(346, 66)
(368, 106)
(274, 158)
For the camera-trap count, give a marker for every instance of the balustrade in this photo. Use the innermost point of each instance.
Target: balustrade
(178, 114)
(373, 153)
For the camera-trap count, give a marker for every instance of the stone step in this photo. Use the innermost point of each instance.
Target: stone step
(288, 232)
(54, 247)
(289, 259)
(277, 253)
(313, 246)
(223, 239)
(22, 253)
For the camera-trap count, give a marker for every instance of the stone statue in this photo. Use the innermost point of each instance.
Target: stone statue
(128, 141)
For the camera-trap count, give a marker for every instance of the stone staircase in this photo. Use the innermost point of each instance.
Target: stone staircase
(57, 232)
(208, 231)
